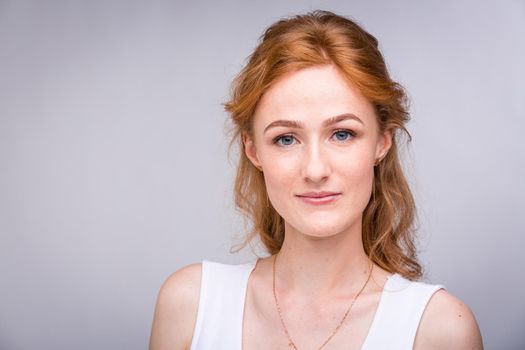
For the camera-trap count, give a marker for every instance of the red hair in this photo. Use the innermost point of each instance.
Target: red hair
(320, 38)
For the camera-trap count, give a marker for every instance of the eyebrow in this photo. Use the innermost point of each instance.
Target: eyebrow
(298, 125)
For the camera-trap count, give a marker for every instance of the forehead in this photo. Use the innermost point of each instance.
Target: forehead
(311, 95)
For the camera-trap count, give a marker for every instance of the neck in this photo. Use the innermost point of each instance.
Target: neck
(318, 266)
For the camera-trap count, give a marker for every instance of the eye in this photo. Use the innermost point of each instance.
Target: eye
(286, 140)
(344, 135)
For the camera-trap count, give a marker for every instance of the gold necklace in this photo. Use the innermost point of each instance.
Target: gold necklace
(291, 342)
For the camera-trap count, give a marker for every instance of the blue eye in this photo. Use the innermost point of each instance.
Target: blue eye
(343, 135)
(287, 139)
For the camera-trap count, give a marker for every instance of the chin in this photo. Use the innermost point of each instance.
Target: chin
(320, 230)
(319, 235)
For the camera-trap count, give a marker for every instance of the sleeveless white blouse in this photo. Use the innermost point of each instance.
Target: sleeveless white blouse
(223, 292)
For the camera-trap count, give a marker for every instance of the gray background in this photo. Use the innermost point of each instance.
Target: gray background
(114, 170)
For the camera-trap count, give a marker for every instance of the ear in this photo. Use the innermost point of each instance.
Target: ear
(251, 151)
(384, 143)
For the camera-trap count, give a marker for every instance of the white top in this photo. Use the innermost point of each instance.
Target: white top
(223, 292)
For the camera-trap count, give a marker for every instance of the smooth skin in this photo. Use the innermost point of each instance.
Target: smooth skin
(313, 131)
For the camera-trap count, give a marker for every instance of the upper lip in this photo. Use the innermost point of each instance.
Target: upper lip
(317, 194)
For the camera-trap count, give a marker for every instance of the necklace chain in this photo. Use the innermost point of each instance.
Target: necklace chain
(291, 342)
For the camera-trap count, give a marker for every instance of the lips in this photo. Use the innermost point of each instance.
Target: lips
(320, 194)
(319, 198)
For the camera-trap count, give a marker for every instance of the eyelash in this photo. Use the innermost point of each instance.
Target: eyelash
(350, 132)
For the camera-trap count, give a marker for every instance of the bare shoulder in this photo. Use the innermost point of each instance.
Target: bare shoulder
(447, 323)
(176, 309)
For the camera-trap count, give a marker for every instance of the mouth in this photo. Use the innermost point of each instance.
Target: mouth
(318, 198)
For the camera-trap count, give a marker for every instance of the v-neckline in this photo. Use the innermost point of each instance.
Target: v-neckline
(375, 318)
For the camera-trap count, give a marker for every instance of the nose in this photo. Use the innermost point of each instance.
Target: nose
(315, 164)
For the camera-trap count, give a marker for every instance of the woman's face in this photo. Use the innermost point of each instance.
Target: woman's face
(315, 132)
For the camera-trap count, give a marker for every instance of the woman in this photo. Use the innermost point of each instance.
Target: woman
(319, 120)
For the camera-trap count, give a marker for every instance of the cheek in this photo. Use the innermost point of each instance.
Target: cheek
(356, 168)
(279, 175)
(357, 174)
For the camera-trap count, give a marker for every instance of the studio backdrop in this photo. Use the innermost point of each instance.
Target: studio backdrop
(114, 169)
